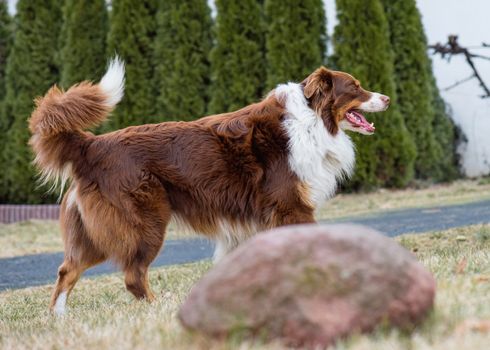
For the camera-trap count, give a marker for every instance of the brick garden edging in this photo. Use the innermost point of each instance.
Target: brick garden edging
(10, 213)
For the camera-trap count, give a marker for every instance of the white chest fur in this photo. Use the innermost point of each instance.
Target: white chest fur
(319, 159)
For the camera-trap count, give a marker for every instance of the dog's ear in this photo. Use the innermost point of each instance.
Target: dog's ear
(318, 89)
(320, 81)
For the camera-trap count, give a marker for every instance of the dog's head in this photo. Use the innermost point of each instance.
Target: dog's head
(339, 99)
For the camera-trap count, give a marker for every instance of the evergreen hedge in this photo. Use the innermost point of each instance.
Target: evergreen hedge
(31, 71)
(83, 41)
(448, 136)
(183, 43)
(5, 43)
(296, 39)
(5, 38)
(237, 59)
(175, 70)
(132, 35)
(412, 77)
(362, 48)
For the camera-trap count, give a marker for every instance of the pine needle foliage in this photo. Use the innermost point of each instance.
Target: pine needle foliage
(183, 43)
(31, 71)
(5, 44)
(132, 36)
(237, 59)
(413, 81)
(83, 41)
(296, 39)
(364, 50)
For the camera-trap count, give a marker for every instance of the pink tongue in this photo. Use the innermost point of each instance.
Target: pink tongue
(362, 122)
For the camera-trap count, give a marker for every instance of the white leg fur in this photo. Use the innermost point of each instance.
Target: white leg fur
(231, 235)
(220, 250)
(228, 235)
(59, 306)
(71, 199)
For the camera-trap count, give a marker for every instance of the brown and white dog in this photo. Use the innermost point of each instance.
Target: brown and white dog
(226, 176)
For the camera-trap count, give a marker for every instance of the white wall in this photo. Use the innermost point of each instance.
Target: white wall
(468, 19)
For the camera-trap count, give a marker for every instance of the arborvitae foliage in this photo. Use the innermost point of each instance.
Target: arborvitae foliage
(131, 36)
(5, 42)
(447, 136)
(31, 71)
(5, 36)
(237, 60)
(295, 40)
(84, 33)
(413, 82)
(182, 50)
(362, 48)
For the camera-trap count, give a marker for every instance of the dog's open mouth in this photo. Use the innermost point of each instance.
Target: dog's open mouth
(357, 120)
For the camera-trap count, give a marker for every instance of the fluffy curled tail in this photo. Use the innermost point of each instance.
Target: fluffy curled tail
(84, 105)
(60, 117)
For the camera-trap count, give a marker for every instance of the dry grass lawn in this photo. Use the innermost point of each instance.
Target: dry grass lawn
(44, 236)
(102, 315)
(33, 237)
(30, 237)
(383, 200)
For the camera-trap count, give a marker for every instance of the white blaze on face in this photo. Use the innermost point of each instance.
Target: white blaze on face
(354, 120)
(377, 103)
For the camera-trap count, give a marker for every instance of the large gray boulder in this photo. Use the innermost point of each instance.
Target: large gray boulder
(309, 286)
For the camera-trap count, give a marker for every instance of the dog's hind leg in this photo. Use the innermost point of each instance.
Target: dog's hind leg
(136, 280)
(80, 254)
(150, 217)
(136, 268)
(150, 241)
(68, 274)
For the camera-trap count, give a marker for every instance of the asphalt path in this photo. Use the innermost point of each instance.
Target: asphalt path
(419, 220)
(40, 269)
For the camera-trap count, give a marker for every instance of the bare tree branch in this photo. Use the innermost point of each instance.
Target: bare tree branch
(480, 56)
(452, 48)
(459, 82)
